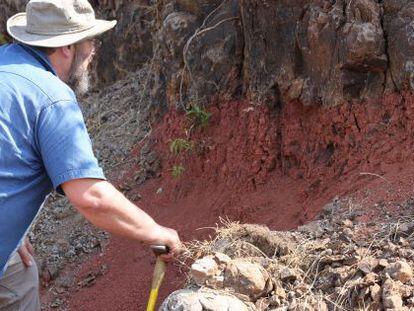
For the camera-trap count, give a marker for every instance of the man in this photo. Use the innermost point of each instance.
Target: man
(44, 143)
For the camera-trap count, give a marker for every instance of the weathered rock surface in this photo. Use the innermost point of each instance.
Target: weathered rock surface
(400, 271)
(246, 278)
(204, 269)
(320, 272)
(316, 52)
(199, 300)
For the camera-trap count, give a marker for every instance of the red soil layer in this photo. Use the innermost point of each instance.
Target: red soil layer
(254, 165)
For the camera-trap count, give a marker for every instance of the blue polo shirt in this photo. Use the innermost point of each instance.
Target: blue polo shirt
(43, 141)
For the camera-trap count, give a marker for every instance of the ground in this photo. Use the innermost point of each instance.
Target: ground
(234, 172)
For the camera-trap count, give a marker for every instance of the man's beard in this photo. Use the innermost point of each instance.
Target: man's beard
(79, 78)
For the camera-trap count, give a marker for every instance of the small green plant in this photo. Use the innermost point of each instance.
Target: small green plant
(179, 145)
(177, 170)
(198, 115)
(3, 39)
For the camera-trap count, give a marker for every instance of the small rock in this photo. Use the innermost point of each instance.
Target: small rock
(348, 232)
(215, 281)
(391, 297)
(383, 263)
(246, 278)
(262, 304)
(368, 264)
(313, 228)
(370, 279)
(375, 292)
(403, 242)
(348, 223)
(203, 269)
(57, 302)
(400, 271)
(221, 259)
(287, 274)
(393, 302)
(279, 291)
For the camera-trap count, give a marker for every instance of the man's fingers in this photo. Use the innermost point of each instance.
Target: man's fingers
(25, 255)
(167, 257)
(29, 247)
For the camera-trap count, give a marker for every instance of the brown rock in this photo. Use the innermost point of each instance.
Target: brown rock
(368, 264)
(348, 223)
(393, 302)
(288, 274)
(262, 304)
(313, 228)
(279, 291)
(203, 269)
(391, 297)
(221, 259)
(246, 278)
(375, 292)
(400, 271)
(383, 263)
(370, 279)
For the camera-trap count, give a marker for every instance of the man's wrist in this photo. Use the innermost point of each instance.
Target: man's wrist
(153, 234)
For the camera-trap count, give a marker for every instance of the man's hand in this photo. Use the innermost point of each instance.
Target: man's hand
(26, 252)
(169, 237)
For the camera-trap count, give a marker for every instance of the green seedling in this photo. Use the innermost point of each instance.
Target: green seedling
(198, 115)
(3, 39)
(177, 171)
(179, 145)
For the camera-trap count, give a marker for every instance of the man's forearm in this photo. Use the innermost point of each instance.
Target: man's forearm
(108, 209)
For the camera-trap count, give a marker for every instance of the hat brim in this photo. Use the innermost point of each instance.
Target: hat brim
(16, 27)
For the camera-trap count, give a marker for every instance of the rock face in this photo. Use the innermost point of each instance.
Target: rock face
(316, 52)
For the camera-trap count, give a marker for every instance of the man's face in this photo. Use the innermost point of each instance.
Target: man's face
(79, 78)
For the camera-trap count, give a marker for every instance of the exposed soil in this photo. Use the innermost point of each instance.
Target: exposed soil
(277, 168)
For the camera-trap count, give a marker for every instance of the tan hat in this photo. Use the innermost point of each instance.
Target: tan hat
(56, 23)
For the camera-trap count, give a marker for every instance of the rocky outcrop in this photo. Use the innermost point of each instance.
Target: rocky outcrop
(332, 265)
(317, 52)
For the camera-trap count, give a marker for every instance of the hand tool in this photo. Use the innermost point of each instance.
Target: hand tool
(158, 276)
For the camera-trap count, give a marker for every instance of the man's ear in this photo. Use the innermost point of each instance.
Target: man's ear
(67, 51)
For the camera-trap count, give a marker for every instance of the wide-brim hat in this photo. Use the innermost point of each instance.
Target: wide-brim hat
(56, 23)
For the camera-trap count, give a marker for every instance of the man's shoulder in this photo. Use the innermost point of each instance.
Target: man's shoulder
(17, 68)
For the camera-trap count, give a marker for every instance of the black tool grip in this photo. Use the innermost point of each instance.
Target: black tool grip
(160, 249)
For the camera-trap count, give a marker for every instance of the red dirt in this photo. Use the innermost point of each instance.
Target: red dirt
(254, 165)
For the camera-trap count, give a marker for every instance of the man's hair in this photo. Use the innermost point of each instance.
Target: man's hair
(48, 51)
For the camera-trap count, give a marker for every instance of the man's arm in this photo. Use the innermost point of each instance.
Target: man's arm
(106, 207)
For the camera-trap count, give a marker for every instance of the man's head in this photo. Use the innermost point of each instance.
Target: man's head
(72, 63)
(65, 28)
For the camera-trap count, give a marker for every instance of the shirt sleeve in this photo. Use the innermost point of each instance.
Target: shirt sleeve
(64, 143)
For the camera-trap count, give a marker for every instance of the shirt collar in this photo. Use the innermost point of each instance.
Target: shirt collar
(40, 56)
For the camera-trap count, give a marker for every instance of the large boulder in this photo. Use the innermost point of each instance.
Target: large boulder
(201, 300)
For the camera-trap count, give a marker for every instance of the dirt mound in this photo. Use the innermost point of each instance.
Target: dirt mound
(332, 263)
(227, 174)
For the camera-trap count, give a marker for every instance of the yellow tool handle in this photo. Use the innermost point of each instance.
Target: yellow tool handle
(157, 278)
(152, 300)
